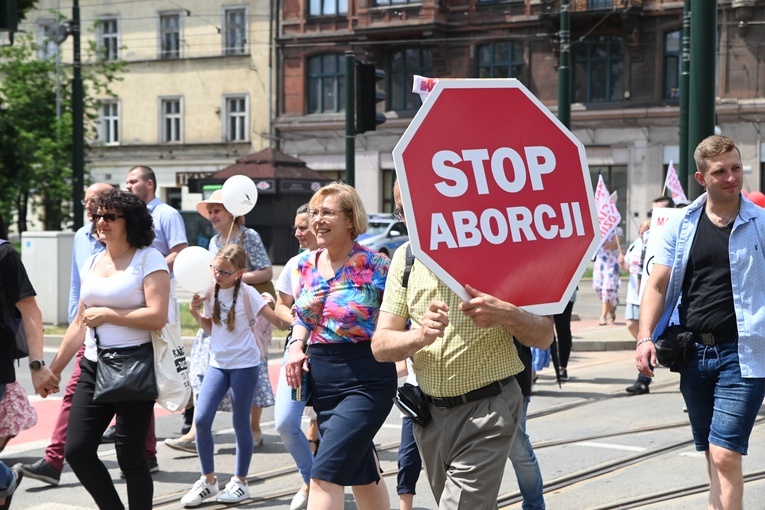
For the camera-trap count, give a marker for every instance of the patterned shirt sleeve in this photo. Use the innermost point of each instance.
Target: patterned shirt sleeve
(257, 258)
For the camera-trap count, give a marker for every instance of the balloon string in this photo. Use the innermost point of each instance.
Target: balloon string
(230, 229)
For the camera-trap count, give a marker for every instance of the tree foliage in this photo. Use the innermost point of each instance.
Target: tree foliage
(35, 143)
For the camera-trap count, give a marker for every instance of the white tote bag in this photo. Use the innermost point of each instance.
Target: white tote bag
(170, 368)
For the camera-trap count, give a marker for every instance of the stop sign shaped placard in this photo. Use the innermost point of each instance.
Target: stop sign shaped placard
(497, 194)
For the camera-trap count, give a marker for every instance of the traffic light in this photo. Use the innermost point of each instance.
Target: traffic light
(367, 96)
(9, 16)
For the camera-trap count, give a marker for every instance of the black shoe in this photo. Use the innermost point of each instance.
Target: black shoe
(188, 419)
(41, 470)
(639, 388)
(18, 475)
(109, 435)
(563, 374)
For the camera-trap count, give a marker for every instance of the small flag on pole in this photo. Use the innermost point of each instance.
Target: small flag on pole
(673, 184)
(608, 215)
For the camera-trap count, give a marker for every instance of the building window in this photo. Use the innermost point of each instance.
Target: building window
(598, 69)
(672, 58)
(388, 178)
(500, 60)
(46, 48)
(326, 83)
(236, 32)
(171, 118)
(404, 65)
(379, 3)
(108, 39)
(236, 119)
(109, 132)
(170, 36)
(328, 7)
(600, 4)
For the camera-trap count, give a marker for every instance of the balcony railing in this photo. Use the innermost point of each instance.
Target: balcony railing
(601, 5)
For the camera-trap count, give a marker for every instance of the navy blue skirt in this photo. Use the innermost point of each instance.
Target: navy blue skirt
(352, 395)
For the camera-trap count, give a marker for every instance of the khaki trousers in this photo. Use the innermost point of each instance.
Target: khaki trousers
(464, 449)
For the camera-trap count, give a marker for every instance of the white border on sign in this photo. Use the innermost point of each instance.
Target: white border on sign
(409, 207)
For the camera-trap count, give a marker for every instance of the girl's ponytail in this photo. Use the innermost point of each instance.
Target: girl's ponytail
(216, 306)
(231, 317)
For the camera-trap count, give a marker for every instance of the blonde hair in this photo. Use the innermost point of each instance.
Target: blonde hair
(237, 257)
(349, 201)
(710, 147)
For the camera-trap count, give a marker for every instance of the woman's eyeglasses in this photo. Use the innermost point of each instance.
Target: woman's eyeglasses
(221, 271)
(324, 213)
(108, 217)
(398, 214)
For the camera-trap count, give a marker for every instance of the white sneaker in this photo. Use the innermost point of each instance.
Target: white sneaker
(234, 492)
(299, 502)
(200, 492)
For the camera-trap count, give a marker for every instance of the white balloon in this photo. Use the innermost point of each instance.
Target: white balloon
(192, 269)
(239, 195)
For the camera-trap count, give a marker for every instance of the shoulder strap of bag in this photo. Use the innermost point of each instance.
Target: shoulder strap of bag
(408, 267)
(247, 308)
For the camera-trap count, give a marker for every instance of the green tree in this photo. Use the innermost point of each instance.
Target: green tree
(36, 144)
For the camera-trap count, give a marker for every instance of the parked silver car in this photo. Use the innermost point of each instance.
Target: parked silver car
(385, 234)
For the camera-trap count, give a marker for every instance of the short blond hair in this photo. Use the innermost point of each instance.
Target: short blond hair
(349, 202)
(710, 147)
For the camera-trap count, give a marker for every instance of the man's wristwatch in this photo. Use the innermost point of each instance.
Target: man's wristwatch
(36, 364)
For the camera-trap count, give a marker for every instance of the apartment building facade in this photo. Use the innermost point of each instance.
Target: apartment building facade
(196, 92)
(625, 58)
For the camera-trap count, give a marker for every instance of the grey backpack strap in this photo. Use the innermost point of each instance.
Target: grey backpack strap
(408, 267)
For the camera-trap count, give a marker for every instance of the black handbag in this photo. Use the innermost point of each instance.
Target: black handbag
(125, 375)
(411, 401)
(673, 346)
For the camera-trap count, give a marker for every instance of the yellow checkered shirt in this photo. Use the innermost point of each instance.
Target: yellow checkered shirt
(467, 357)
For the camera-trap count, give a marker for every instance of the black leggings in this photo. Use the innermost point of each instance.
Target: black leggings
(87, 422)
(563, 332)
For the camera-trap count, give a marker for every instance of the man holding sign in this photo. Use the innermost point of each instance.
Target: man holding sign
(465, 360)
(710, 262)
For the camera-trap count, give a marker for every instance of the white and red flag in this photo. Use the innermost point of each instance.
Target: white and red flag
(608, 215)
(673, 184)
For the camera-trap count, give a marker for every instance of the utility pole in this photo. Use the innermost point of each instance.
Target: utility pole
(701, 114)
(684, 172)
(350, 126)
(564, 67)
(78, 129)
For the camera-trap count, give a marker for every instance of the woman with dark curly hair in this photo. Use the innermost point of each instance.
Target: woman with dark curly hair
(125, 294)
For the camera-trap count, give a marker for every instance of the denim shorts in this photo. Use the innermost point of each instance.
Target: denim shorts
(722, 405)
(631, 312)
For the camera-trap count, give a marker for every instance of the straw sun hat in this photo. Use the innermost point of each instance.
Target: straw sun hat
(215, 198)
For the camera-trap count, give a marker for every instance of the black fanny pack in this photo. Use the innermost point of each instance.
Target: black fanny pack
(673, 346)
(411, 401)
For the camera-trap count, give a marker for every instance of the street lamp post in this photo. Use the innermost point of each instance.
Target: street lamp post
(78, 129)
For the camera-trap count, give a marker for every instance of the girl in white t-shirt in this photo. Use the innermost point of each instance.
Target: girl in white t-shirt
(234, 365)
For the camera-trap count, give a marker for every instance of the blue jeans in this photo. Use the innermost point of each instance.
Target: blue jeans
(287, 416)
(526, 466)
(217, 381)
(409, 461)
(6, 479)
(722, 405)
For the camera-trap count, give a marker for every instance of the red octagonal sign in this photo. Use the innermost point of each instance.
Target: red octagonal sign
(497, 194)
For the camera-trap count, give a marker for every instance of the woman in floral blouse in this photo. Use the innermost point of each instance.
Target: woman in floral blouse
(336, 314)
